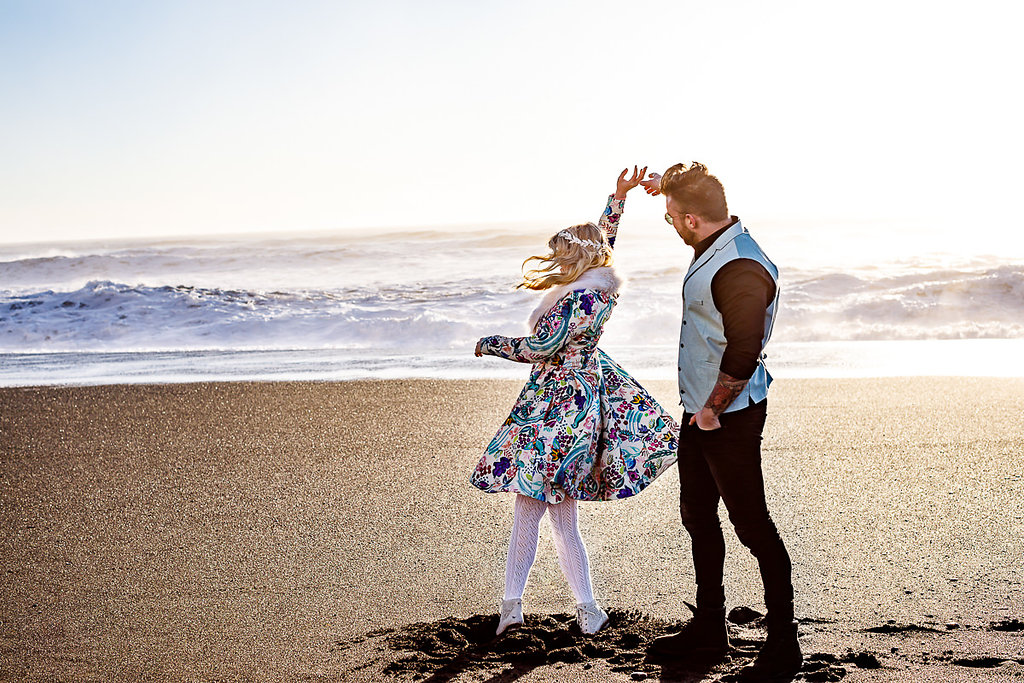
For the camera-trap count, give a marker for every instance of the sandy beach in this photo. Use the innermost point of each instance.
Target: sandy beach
(326, 531)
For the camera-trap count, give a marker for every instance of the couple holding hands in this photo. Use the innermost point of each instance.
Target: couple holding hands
(584, 430)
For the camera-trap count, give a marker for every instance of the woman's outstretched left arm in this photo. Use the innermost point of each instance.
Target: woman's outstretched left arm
(575, 312)
(616, 202)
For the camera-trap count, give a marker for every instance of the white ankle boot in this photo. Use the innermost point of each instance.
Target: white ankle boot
(590, 617)
(511, 614)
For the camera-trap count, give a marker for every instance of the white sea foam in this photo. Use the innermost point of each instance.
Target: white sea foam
(419, 299)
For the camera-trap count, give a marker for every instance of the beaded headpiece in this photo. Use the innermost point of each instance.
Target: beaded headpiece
(565, 234)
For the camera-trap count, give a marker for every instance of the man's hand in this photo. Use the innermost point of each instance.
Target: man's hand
(653, 184)
(624, 185)
(724, 392)
(706, 420)
(478, 352)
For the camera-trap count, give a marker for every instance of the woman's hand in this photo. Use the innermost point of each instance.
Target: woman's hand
(652, 185)
(624, 185)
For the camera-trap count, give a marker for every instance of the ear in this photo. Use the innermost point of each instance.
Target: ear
(691, 221)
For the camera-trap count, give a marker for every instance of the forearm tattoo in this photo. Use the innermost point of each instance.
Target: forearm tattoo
(726, 390)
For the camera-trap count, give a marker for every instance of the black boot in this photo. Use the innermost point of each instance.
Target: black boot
(780, 657)
(704, 636)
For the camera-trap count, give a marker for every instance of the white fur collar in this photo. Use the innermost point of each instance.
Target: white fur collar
(603, 278)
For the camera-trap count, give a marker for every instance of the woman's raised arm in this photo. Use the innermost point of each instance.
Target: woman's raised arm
(609, 221)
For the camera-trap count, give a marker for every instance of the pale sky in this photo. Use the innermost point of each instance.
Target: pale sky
(165, 118)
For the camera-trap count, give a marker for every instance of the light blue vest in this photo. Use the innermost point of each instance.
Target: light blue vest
(702, 335)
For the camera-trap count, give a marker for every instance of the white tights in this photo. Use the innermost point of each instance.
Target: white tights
(522, 546)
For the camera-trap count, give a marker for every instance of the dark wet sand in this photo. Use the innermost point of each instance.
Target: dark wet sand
(296, 531)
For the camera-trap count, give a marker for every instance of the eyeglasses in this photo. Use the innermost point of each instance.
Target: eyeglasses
(668, 219)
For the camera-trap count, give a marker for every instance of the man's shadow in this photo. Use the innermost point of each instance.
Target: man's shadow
(690, 670)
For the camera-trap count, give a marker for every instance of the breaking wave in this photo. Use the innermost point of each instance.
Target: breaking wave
(438, 313)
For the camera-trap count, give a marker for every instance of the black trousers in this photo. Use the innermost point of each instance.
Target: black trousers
(726, 464)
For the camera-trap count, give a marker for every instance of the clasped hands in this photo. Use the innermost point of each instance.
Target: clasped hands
(652, 185)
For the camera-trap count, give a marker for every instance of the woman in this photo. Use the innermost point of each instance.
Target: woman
(582, 428)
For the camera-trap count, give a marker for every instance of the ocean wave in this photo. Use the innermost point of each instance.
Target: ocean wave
(449, 308)
(942, 304)
(105, 315)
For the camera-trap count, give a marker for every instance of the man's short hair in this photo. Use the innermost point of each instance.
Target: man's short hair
(696, 191)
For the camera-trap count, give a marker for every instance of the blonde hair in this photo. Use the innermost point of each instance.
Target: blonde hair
(566, 260)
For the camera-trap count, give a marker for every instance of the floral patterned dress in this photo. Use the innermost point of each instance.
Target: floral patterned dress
(582, 427)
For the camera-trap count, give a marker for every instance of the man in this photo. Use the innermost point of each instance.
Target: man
(730, 295)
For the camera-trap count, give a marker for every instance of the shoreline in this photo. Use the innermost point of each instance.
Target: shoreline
(246, 529)
(270, 382)
(786, 360)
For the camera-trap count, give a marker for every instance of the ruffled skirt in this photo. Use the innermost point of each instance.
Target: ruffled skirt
(590, 433)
